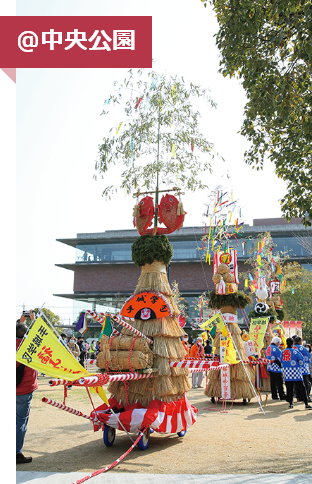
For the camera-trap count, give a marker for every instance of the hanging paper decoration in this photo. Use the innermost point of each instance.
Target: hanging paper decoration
(192, 145)
(107, 102)
(173, 150)
(146, 104)
(118, 128)
(223, 208)
(146, 306)
(137, 103)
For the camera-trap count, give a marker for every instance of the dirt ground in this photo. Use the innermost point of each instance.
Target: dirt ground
(240, 441)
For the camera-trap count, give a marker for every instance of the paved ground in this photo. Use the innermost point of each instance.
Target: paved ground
(240, 446)
(128, 478)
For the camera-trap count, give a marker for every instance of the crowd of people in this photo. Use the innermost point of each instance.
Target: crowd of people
(291, 366)
(81, 349)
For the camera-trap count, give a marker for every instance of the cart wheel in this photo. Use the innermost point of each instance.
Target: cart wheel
(144, 440)
(182, 433)
(244, 401)
(249, 400)
(109, 435)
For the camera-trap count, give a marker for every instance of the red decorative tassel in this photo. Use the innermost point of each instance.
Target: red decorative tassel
(263, 372)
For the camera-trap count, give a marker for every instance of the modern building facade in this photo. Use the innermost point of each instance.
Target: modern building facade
(104, 274)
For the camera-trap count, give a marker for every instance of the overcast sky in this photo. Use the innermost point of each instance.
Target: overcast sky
(59, 128)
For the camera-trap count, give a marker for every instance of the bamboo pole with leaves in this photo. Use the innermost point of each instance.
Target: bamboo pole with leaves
(158, 135)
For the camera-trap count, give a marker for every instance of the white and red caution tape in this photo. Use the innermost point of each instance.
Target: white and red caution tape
(93, 380)
(100, 471)
(200, 364)
(61, 406)
(130, 376)
(101, 379)
(96, 316)
(91, 361)
(58, 381)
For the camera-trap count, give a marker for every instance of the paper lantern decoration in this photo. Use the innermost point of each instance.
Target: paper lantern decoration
(181, 321)
(146, 306)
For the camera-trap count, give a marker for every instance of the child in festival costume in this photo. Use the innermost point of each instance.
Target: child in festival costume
(292, 364)
(274, 354)
(197, 351)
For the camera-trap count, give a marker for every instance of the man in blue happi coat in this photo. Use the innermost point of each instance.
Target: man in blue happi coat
(292, 364)
(274, 354)
(306, 363)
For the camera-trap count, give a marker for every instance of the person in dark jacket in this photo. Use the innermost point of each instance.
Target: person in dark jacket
(208, 347)
(306, 364)
(274, 354)
(292, 364)
(82, 350)
(26, 384)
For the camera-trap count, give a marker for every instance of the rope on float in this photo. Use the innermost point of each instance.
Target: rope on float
(101, 471)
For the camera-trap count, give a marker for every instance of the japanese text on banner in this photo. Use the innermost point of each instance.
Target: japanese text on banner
(257, 331)
(42, 351)
(215, 321)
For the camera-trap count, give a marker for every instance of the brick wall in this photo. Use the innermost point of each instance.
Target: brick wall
(124, 277)
(106, 278)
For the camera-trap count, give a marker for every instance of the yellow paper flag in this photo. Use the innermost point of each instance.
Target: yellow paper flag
(173, 150)
(42, 351)
(100, 392)
(204, 336)
(215, 320)
(230, 353)
(257, 331)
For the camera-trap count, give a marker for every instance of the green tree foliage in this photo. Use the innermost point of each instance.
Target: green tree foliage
(297, 298)
(268, 44)
(270, 265)
(157, 135)
(53, 318)
(178, 299)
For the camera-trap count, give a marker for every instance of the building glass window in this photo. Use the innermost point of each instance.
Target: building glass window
(182, 250)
